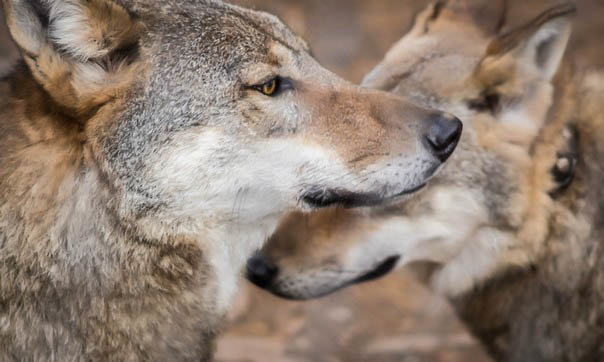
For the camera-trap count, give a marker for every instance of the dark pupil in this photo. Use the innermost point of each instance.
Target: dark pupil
(270, 86)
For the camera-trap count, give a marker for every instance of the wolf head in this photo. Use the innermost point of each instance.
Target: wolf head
(491, 207)
(199, 113)
(164, 121)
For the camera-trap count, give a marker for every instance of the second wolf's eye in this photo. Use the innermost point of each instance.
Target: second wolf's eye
(269, 88)
(488, 102)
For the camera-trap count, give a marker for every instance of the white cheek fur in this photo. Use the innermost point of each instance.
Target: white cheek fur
(452, 235)
(236, 190)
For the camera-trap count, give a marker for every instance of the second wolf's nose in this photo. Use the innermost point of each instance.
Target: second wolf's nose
(260, 271)
(443, 135)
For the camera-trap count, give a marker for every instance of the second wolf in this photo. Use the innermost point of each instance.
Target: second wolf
(513, 231)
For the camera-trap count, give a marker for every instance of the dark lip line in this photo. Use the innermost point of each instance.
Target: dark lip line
(327, 198)
(383, 268)
(379, 271)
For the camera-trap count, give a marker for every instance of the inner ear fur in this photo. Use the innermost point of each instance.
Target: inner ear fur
(81, 51)
(539, 45)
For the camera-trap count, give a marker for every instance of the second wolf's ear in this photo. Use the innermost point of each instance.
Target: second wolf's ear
(535, 49)
(76, 49)
(488, 16)
(423, 19)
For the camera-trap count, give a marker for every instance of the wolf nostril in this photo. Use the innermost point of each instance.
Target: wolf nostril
(260, 271)
(443, 135)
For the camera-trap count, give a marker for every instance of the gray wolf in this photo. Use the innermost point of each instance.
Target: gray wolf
(511, 231)
(147, 148)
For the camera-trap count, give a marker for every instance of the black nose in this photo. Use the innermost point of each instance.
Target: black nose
(443, 135)
(260, 271)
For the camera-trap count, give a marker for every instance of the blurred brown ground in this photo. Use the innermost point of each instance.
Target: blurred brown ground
(395, 318)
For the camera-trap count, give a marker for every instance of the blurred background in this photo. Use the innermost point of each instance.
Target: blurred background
(395, 318)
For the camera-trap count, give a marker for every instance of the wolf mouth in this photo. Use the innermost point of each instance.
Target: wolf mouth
(333, 197)
(382, 269)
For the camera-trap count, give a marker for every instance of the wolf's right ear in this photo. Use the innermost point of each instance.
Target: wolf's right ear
(78, 50)
(533, 50)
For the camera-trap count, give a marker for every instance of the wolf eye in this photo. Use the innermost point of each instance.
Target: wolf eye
(274, 86)
(270, 88)
(488, 102)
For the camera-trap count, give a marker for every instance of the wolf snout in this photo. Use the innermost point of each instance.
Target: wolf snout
(442, 135)
(260, 271)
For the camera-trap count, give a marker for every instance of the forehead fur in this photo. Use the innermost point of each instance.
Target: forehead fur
(215, 42)
(203, 16)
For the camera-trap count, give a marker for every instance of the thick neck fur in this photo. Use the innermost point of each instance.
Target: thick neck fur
(553, 310)
(67, 262)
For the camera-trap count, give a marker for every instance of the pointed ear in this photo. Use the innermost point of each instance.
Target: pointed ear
(537, 47)
(422, 20)
(488, 16)
(74, 48)
(25, 22)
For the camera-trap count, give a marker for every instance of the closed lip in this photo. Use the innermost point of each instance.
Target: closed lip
(321, 198)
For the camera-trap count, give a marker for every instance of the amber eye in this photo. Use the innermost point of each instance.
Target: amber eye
(269, 88)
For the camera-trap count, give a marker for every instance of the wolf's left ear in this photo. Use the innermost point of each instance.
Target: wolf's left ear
(537, 47)
(77, 50)
(423, 19)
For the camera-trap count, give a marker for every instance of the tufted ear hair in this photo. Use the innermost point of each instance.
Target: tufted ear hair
(76, 49)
